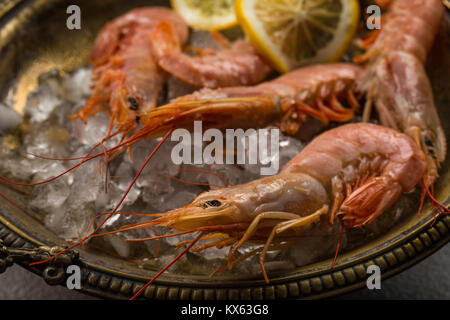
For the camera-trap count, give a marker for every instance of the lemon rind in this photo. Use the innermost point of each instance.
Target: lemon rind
(261, 41)
(203, 23)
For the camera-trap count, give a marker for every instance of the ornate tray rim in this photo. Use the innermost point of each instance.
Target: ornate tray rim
(108, 283)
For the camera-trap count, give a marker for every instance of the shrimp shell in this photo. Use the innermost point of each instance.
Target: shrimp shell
(350, 174)
(317, 91)
(395, 79)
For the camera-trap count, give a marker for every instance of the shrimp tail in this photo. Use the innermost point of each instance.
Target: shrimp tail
(164, 41)
(235, 64)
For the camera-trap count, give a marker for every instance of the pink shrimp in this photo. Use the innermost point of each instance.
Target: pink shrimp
(350, 174)
(127, 79)
(326, 92)
(395, 79)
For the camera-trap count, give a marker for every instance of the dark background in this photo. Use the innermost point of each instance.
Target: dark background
(429, 279)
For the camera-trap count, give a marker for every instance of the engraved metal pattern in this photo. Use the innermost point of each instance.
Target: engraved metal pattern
(19, 251)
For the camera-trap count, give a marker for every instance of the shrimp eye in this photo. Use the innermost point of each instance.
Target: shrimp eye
(213, 203)
(430, 146)
(428, 142)
(134, 105)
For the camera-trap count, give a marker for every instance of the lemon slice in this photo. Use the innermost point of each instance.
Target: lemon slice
(206, 14)
(293, 33)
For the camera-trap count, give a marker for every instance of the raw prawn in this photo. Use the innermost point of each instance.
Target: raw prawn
(326, 92)
(395, 80)
(127, 80)
(350, 174)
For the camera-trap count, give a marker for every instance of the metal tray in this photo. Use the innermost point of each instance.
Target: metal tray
(34, 40)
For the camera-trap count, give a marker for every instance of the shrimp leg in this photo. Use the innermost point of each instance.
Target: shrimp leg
(254, 226)
(289, 225)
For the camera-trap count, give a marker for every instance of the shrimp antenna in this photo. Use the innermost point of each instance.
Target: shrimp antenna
(126, 143)
(193, 183)
(15, 205)
(338, 246)
(207, 172)
(75, 158)
(158, 237)
(22, 192)
(167, 266)
(107, 213)
(442, 209)
(101, 143)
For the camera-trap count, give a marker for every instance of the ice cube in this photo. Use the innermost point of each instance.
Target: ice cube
(320, 244)
(214, 253)
(77, 85)
(224, 175)
(108, 201)
(70, 221)
(60, 115)
(289, 148)
(155, 178)
(87, 184)
(45, 98)
(49, 141)
(119, 244)
(160, 164)
(93, 131)
(119, 184)
(22, 165)
(52, 195)
(195, 174)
